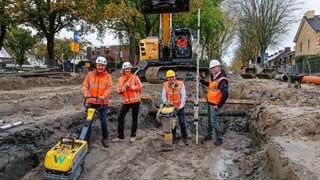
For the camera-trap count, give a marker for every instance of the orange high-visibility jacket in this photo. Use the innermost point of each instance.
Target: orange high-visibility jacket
(182, 43)
(130, 96)
(174, 95)
(214, 93)
(97, 85)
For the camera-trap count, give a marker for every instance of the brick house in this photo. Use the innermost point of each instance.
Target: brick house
(116, 51)
(281, 58)
(307, 38)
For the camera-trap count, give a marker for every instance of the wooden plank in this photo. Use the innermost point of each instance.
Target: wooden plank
(202, 113)
(229, 101)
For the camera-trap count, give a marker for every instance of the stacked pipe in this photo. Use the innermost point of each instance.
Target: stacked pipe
(282, 77)
(11, 125)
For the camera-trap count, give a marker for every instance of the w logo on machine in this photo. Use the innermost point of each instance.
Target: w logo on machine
(60, 159)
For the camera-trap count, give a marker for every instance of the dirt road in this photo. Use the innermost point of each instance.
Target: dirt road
(258, 146)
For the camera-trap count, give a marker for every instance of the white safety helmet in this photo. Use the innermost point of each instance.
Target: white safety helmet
(101, 60)
(214, 63)
(126, 65)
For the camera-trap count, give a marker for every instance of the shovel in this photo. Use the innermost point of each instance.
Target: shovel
(140, 66)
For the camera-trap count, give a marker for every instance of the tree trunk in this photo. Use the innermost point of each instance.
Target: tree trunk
(50, 49)
(132, 45)
(2, 34)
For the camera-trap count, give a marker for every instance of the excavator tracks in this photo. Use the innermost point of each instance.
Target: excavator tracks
(157, 74)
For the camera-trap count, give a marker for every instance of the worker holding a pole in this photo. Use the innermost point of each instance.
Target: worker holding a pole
(217, 95)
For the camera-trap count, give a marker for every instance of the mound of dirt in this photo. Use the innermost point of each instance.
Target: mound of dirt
(10, 83)
(46, 103)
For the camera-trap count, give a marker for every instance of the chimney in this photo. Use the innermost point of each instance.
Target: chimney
(309, 14)
(287, 49)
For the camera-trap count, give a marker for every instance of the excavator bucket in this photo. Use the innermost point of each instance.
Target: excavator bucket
(249, 73)
(164, 6)
(267, 73)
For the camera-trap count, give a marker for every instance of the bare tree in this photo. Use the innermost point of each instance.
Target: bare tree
(262, 22)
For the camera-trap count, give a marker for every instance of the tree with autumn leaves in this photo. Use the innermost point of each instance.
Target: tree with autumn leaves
(122, 17)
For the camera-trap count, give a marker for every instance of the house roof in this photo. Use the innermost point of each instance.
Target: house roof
(275, 55)
(289, 53)
(314, 23)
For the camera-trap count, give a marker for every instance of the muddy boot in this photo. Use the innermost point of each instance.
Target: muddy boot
(218, 142)
(174, 140)
(186, 142)
(206, 138)
(104, 140)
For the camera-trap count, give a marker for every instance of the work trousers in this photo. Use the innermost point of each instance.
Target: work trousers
(124, 109)
(103, 111)
(182, 124)
(214, 123)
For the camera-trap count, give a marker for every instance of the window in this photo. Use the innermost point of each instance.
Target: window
(301, 47)
(92, 54)
(308, 44)
(107, 50)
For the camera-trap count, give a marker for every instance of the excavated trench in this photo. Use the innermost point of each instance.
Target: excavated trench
(255, 146)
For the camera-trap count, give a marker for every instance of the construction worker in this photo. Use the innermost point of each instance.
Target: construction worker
(217, 95)
(129, 86)
(182, 46)
(175, 91)
(97, 88)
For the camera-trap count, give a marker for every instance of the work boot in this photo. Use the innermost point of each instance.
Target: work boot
(174, 140)
(117, 140)
(206, 138)
(105, 142)
(186, 141)
(218, 142)
(132, 139)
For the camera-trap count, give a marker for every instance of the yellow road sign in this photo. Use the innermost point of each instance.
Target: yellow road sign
(75, 47)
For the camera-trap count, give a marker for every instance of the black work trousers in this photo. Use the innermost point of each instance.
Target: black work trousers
(124, 109)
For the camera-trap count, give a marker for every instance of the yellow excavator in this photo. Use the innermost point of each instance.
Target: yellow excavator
(161, 53)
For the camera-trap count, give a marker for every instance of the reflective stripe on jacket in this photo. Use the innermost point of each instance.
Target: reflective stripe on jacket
(130, 96)
(97, 85)
(174, 95)
(214, 93)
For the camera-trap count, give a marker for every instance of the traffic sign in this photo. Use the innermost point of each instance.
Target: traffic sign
(265, 56)
(75, 36)
(75, 47)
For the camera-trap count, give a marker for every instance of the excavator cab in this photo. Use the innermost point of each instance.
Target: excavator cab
(189, 36)
(160, 53)
(164, 6)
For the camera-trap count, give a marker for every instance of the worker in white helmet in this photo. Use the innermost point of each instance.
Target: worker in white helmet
(217, 95)
(97, 88)
(129, 86)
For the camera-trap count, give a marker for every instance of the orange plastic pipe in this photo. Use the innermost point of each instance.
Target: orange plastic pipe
(311, 79)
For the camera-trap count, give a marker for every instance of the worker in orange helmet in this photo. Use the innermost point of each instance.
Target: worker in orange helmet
(175, 91)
